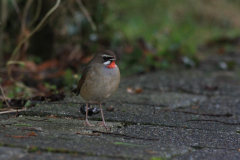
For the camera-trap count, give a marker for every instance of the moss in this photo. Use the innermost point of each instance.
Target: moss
(49, 149)
(32, 149)
(127, 144)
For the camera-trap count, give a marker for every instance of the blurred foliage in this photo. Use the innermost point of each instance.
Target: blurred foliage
(175, 28)
(146, 35)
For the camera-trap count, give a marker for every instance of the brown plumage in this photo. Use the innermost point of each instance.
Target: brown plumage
(100, 80)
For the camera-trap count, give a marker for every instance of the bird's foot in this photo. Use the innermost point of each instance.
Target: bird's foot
(88, 124)
(103, 124)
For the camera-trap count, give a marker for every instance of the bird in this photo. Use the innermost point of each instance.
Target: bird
(100, 80)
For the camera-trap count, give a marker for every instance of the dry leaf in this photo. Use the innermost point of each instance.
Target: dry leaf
(31, 134)
(194, 107)
(138, 90)
(16, 136)
(129, 90)
(31, 66)
(48, 64)
(110, 109)
(151, 152)
(52, 116)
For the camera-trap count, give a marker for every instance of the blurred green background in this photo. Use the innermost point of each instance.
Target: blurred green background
(146, 35)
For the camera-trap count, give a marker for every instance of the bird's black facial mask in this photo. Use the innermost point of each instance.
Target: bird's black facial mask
(108, 59)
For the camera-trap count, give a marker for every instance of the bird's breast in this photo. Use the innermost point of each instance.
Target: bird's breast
(100, 83)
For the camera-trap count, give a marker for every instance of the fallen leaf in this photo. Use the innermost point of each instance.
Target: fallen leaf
(194, 107)
(138, 90)
(31, 66)
(31, 134)
(16, 136)
(48, 64)
(110, 109)
(129, 90)
(151, 152)
(211, 88)
(52, 116)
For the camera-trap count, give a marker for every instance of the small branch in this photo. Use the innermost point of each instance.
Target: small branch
(15, 5)
(12, 111)
(39, 7)
(34, 30)
(3, 18)
(23, 22)
(87, 15)
(5, 99)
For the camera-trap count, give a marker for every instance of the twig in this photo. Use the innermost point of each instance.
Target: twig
(39, 7)
(12, 111)
(4, 125)
(124, 135)
(5, 99)
(33, 31)
(16, 114)
(25, 12)
(87, 15)
(3, 18)
(17, 136)
(15, 5)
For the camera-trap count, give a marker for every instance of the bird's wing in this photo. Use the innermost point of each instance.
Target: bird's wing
(82, 80)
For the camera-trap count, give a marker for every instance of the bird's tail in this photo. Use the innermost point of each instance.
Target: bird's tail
(76, 91)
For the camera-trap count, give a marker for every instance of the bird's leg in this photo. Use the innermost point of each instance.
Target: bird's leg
(87, 123)
(103, 121)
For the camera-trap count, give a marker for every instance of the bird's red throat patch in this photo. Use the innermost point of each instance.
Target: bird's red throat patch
(112, 65)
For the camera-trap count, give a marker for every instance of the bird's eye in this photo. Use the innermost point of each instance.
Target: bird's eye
(105, 58)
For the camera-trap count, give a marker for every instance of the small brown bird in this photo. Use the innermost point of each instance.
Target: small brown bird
(99, 81)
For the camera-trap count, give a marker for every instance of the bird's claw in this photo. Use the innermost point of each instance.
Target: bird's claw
(88, 124)
(102, 124)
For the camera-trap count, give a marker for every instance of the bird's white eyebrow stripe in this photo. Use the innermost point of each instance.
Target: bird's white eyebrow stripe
(106, 55)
